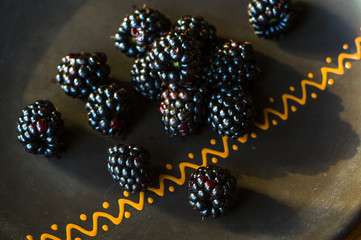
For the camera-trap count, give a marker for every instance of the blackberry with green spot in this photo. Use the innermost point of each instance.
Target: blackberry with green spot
(231, 112)
(145, 80)
(233, 63)
(211, 191)
(176, 57)
(270, 18)
(130, 167)
(41, 129)
(138, 31)
(109, 109)
(182, 109)
(81, 73)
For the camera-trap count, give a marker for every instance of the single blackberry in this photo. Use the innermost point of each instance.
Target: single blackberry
(231, 112)
(199, 29)
(233, 63)
(176, 57)
(146, 80)
(138, 31)
(270, 18)
(182, 110)
(81, 73)
(130, 167)
(211, 191)
(108, 109)
(41, 129)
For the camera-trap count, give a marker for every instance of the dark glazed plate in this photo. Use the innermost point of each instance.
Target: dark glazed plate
(298, 178)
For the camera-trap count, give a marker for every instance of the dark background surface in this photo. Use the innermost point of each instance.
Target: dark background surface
(298, 180)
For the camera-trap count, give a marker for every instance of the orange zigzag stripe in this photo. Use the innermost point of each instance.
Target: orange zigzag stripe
(160, 191)
(324, 71)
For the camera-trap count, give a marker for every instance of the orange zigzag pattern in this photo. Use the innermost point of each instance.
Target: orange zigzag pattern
(224, 154)
(322, 86)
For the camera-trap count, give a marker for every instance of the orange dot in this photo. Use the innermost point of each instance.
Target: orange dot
(105, 227)
(214, 160)
(235, 147)
(54, 227)
(274, 122)
(83, 217)
(328, 60)
(171, 189)
(345, 46)
(190, 155)
(310, 75)
(348, 65)
(293, 109)
(330, 81)
(213, 141)
(150, 200)
(77, 238)
(127, 214)
(271, 99)
(29, 237)
(126, 194)
(313, 95)
(168, 166)
(253, 135)
(105, 205)
(292, 88)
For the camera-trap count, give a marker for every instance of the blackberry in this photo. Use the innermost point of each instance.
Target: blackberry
(138, 31)
(270, 18)
(176, 57)
(130, 167)
(199, 29)
(41, 129)
(146, 80)
(108, 109)
(182, 110)
(211, 191)
(81, 73)
(231, 112)
(233, 63)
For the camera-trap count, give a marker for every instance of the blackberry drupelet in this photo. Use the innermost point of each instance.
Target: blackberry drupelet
(182, 109)
(146, 80)
(41, 129)
(108, 109)
(176, 57)
(233, 63)
(231, 112)
(211, 191)
(270, 18)
(81, 73)
(138, 31)
(130, 167)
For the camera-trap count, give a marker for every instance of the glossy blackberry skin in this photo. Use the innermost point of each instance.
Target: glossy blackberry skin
(109, 109)
(182, 109)
(231, 112)
(146, 80)
(233, 63)
(138, 31)
(176, 57)
(130, 167)
(211, 191)
(41, 129)
(270, 18)
(81, 73)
